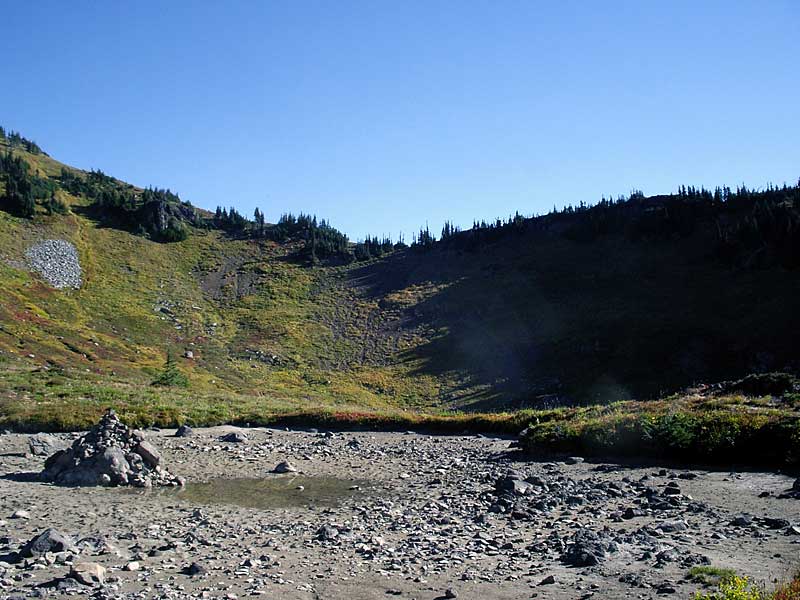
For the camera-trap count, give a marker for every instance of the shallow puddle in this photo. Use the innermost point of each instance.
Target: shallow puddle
(272, 492)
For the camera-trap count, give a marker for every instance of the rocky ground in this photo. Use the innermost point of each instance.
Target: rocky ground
(434, 517)
(57, 262)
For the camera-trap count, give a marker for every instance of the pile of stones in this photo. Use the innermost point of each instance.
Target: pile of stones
(57, 262)
(110, 454)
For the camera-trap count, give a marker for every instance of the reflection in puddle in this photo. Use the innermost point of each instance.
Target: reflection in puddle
(271, 492)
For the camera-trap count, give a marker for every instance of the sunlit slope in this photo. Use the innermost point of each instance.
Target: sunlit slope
(244, 309)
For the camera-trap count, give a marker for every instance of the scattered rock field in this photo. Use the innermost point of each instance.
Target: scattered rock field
(427, 517)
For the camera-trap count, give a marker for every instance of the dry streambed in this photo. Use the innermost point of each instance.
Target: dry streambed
(377, 515)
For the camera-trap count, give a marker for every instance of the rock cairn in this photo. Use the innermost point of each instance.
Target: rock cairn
(110, 454)
(57, 262)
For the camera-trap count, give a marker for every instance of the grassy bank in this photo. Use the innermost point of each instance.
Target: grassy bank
(725, 429)
(719, 429)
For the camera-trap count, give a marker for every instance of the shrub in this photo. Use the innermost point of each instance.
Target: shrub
(708, 575)
(735, 588)
(765, 384)
(788, 591)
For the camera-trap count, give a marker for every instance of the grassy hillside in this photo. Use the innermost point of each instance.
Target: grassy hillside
(531, 319)
(234, 304)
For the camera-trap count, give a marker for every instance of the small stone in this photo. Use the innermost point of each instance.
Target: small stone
(20, 514)
(88, 573)
(742, 521)
(672, 526)
(234, 437)
(573, 460)
(284, 467)
(194, 570)
(132, 566)
(549, 580)
(450, 593)
(774, 523)
(327, 533)
(184, 431)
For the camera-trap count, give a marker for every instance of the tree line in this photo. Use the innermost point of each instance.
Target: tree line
(751, 227)
(22, 190)
(15, 140)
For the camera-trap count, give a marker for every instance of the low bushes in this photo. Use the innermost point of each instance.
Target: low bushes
(678, 431)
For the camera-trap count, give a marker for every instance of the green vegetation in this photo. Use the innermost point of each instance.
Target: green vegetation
(725, 429)
(708, 575)
(741, 588)
(557, 322)
(734, 588)
(21, 188)
(170, 375)
(15, 140)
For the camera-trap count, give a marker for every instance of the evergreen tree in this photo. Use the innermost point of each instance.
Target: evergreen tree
(170, 375)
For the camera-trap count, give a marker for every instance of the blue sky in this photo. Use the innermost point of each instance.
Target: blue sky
(383, 115)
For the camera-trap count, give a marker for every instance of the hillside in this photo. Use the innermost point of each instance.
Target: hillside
(585, 305)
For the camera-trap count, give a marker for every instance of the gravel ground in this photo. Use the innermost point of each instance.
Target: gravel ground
(57, 262)
(435, 516)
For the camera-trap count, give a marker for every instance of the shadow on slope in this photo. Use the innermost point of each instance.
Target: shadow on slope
(538, 319)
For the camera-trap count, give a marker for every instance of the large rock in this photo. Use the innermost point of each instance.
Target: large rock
(184, 431)
(44, 444)
(587, 549)
(284, 467)
(512, 485)
(234, 437)
(110, 454)
(88, 573)
(149, 453)
(113, 462)
(50, 540)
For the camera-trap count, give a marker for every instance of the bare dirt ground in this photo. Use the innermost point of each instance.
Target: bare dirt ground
(434, 516)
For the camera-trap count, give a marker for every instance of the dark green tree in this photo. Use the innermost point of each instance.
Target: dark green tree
(170, 375)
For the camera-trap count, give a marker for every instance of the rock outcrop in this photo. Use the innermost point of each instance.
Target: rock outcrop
(110, 454)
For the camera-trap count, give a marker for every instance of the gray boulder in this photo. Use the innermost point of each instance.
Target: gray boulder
(50, 540)
(149, 453)
(234, 437)
(44, 444)
(113, 463)
(512, 485)
(285, 467)
(184, 431)
(57, 463)
(88, 573)
(587, 549)
(327, 533)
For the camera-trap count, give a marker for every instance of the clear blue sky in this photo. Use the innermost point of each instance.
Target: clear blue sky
(382, 115)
